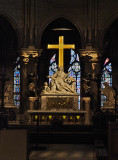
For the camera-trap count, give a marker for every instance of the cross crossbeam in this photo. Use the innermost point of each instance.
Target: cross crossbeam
(61, 46)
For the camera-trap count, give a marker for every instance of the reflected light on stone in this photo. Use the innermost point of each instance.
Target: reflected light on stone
(62, 29)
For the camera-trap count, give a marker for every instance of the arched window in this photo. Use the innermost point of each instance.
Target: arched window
(17, 83)
(75, 72)
(53, 66)
(106, 77)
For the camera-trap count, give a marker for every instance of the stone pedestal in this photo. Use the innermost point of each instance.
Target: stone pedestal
(32, 102)
(68, 102)
(87, 109)
(11, 111)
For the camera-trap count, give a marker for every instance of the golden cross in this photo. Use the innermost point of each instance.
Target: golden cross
(61, 46)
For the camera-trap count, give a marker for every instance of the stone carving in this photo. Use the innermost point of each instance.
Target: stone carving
(110, 95)
(60, 83)
(32, 90)
(46, 88)
(9, 94)
(31, 85)
(87, 84)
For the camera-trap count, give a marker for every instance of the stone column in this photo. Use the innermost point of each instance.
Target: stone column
(91, 22)
(92, 70)
(32, 102)
(29, 58)
(87, 109)
(23, 86)
(91, 59)
(30, 22)
(43, 102)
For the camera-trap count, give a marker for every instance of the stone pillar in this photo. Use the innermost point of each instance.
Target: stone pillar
(30, 22)
(91, 22)
(87, 109)
(29, 60)
(91, 59)
(43, 102)
(32, 102)
(23, 86)
(92, 66)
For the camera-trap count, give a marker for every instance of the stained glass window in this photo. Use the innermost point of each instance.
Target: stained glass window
(17, 83)
(106, 77)
(75, 72)
(53, 66)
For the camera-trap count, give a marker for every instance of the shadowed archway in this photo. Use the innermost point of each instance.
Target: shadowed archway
(8, 42)
(58, 27)
(110, 42)
(110, 49)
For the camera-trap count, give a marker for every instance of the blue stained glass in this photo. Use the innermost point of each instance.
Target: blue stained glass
(109, 68)
(17, 73)
(16, 88)
(75, 67)
(77, 58)
(53, 66)
(17, 83)
(78, 89)
(106, 77)
(111, 80)
(72, 56)
(78, 81)
(79, 74)
(16, 80)
(75, 72)
(17, 103)
(16, 97)
(53, 59)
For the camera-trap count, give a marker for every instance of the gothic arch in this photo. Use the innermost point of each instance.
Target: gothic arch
(106, 26)
(13, 23)
(56, 18)
(48, 35)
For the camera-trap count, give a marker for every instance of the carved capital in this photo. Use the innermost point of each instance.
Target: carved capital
(33, 99)
(86, 99)
(30, 52)
(93, 55)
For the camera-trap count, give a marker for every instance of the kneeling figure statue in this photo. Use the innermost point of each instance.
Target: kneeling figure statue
(110, 95)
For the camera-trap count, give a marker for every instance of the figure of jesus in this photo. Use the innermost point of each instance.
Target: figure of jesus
(59, 81)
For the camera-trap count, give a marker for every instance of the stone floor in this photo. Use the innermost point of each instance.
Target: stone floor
(64, 152)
